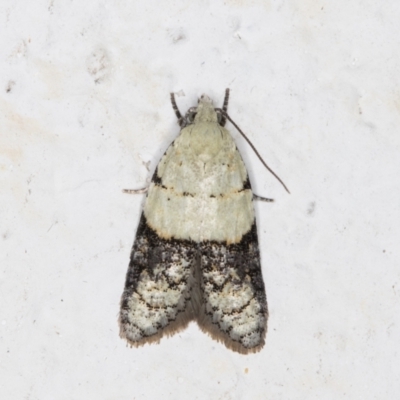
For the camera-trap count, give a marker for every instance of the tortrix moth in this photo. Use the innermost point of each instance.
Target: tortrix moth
(196, 255)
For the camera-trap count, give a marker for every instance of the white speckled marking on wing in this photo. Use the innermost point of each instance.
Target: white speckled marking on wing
(235, 309)
(158, 287)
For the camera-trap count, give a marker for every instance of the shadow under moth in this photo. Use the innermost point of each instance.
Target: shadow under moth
(196, 255)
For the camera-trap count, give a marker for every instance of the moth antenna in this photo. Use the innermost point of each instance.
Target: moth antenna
(225, 107)
(176, 110)
(252, 146)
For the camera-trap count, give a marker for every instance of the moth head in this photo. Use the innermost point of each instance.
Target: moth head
(205, 110)
(204, 99)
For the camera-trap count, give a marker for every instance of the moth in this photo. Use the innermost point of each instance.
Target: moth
(196, 254)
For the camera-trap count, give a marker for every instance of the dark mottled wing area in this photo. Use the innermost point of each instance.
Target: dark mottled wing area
(234, 306)
(156, 299)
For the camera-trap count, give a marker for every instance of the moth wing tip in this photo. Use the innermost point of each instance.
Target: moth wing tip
(215, 333)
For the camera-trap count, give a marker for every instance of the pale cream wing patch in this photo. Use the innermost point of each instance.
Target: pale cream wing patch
(199, 192)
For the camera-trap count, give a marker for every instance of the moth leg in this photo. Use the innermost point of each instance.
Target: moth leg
(224, 108)
(178, 114)
(135, 191)
(260, 198)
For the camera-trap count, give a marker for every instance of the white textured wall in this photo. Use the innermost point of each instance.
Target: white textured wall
(85, 112)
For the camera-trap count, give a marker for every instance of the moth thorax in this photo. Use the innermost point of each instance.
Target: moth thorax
(205, 112)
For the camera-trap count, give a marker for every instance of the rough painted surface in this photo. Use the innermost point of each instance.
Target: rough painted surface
(84, 113)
